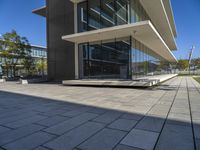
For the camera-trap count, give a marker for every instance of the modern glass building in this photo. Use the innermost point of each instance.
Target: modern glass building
(38, 53)
(110, 39)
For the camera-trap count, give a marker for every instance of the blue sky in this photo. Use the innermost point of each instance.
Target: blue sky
(16, 14)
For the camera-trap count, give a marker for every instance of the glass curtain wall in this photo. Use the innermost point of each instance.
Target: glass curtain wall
(97, 14)
(145, 62)
(137, 12)
(106, 59)
(116, 58)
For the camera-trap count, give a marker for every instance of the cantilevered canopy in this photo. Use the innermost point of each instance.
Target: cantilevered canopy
(40, 11)
(160, 13)
(142, 31)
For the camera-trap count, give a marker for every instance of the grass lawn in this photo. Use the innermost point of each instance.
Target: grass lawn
(197, 79)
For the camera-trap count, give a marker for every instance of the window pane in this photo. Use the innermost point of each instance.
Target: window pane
(94, 15)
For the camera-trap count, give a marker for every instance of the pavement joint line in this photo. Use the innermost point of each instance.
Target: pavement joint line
(193, 134)
(70, 129)
(90, 137)
(6, 127)
(46, 141)
(43, 130)
(91, 120)
(140, 120)
(42, 147)
(2, 148)
(77, 148)
(198, 89)
(101, 129)
(131, 147)
(177, 89)
(147, 130)
(21, 137)
(116, 129)
(98, 116)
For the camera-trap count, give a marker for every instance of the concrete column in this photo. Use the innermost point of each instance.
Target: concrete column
(76, 45)
(61, 55)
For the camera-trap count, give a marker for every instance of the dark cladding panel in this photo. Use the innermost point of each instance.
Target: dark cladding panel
(60, 21)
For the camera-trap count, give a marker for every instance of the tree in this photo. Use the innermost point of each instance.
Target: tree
(197, 62)
(14, 49)
(183, 64)
(28, 64)
(41, 66)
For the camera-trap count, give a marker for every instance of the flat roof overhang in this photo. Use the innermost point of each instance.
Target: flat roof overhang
(160, 12)
(142, 31)
(170, 14)
(40, 11)
(161, 15)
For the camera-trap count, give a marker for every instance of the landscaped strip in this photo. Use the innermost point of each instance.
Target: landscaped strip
(197, 79)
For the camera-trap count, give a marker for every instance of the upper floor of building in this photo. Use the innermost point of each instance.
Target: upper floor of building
(97, 14)
(38, 51)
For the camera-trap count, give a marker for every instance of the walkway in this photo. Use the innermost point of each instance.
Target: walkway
(46, 116)
(146, 81)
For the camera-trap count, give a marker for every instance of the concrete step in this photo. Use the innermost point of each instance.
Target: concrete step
(140, 82)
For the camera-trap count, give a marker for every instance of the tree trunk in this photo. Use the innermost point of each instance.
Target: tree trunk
(7, 70)
(14, 70)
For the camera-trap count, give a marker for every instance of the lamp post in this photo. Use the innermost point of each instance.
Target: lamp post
(190, 57)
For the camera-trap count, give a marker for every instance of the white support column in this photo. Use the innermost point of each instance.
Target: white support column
(76, 45)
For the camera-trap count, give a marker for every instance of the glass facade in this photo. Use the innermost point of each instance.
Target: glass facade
(38, 52)
(106, 59)
(98, 14)
(123, 58)
(145, 62)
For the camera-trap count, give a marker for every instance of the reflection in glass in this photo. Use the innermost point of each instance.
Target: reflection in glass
(99, 14)
(116, 58)
(106, 59)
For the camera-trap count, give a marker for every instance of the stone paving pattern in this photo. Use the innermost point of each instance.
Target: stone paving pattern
(52, 116)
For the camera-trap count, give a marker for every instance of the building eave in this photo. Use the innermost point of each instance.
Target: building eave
(143, 31)
(158, 13)
(161, 14)
(170, 15)
(40, 11)
(38, 46)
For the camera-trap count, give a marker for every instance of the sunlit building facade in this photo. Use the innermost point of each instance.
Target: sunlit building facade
(38, 53)
(110, 39)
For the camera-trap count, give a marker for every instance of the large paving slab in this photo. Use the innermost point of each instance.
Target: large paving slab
(176, 137)
(29, 142)
(104, 140)
(75, 137)
(141, 139)
(69, 124)
(79, 118)
(13, 135)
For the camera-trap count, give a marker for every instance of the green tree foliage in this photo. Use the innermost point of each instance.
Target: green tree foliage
(196, 62)
(41, 66)
(28, 64)
(15, 50)
(183, 64)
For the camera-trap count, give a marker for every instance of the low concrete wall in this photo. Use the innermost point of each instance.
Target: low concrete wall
(2, 80)
(140, 82)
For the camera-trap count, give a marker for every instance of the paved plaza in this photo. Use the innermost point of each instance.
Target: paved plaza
(52, 116)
